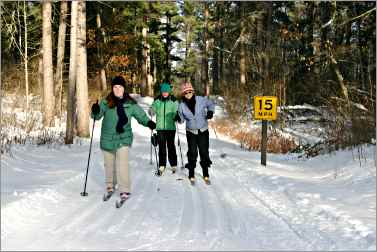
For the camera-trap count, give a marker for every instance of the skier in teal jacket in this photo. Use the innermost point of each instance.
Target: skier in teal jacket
(165, 107)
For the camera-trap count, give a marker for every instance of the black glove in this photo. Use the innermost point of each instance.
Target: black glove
(96, 109)
(209, 114)
(151, 125)
(177, 118)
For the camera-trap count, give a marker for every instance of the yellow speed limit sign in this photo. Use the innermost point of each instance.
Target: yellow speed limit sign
(265, 108)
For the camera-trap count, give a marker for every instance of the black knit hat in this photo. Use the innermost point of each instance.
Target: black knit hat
(118, 80)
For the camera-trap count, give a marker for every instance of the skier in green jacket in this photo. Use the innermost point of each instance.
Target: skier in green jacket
(116, 133)
(165, 107)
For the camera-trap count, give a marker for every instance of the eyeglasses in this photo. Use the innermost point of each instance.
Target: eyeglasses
(188, 92)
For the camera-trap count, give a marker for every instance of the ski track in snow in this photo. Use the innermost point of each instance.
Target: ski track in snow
(246, 207)
(313, 223)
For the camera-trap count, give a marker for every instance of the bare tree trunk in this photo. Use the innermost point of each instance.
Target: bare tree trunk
(242, 56)
(72, 76)
(60, 56)
(144, 87)
(82, 79)
(40, 74)
(317, 39)
(339, 77)
(221, 56)
(154, 70)
(100, 52)
(168, 49)
(48, 78)
(204, 75)
(187, 49)
(149, 75)
(135, 51)
(215, 63)
(26, 60)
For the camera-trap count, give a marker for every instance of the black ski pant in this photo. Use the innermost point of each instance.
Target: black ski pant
(198, 142)
(166, 138)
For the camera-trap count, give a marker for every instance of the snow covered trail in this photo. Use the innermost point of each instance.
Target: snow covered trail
(286, 206)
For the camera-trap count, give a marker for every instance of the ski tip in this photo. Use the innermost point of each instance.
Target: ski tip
(207, 181)
(192, 181)
(157, 173)
(118, 204)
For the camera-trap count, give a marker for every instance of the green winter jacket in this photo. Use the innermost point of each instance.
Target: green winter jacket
(165, 110)
(110, 138)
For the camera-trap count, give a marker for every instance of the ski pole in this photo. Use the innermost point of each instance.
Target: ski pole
(150, 160)
(179, 144)
(154, 139)
(84, 193)
(155, 153)
(215, 133)
(223, 154)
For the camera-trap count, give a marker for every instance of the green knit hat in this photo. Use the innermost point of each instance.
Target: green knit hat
(165, 87)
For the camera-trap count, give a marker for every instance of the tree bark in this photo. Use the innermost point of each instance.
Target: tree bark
(221, 56)
(144, 88)
(100, 41)
(72, 76)
(168, 49)
(48, 78)
(242, 55)
(40, 74)
(339, 77)
(149, 75)
(187, 49)
(60, 56)
(82, 79)
(204, 75)
(26, 60)
(215, 63)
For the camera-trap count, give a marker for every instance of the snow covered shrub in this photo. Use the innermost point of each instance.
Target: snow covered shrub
(353, 125)
(18, 127)
(250, 139)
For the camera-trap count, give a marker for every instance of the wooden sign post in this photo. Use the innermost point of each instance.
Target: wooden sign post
(265, 109)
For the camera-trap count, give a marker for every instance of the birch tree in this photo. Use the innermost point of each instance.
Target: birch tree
(60, 56)
(81, 76)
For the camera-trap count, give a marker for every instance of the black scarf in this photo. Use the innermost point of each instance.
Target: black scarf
(122, 117)
(190, 103)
